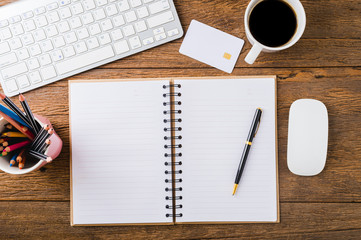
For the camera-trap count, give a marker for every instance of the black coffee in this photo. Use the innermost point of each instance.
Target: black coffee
(272, 22)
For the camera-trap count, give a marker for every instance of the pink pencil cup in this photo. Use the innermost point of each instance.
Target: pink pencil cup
(52, 151)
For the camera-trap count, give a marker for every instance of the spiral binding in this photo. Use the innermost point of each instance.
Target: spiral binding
(173, 163)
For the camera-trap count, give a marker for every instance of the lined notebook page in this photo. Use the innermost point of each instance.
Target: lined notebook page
(117, 152)
(216, 118)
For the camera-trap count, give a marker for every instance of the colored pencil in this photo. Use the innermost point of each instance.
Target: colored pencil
(41, 140)
(12, 141)
(14, 116)
(20, 156)
(40, 156)
(22, 162)
(13, 159)
(44, 146)
(9, 126)
(28, 112)
(13, 107)
(16, 146)
(40, 134)
(14, 135)
(17, 125)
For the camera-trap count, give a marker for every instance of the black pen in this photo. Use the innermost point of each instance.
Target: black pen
(252, 133)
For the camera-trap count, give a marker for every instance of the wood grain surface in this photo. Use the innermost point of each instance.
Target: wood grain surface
(325, 64)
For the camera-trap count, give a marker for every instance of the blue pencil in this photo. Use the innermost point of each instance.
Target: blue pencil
(13, 159)
(13, 116)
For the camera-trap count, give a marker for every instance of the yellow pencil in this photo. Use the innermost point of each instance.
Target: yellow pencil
(14, 134)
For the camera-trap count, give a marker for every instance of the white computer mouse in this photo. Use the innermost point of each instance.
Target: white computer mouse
(307, 137)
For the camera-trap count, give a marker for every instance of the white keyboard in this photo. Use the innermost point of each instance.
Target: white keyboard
(43, 41)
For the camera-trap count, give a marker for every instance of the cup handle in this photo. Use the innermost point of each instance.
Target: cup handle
(253, 53)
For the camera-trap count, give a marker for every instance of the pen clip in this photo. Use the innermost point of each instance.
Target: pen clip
(258, 126)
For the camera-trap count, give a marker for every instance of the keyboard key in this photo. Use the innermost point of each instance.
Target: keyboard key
(94, 29)
(92, 43)
(47, 46)
(130, 16)
(4, 23)
(142, 12)
(69, 51)
(135, 42)
(88, 4)
(101, 2)
(15, 19)
(27, 39)
(147, 1)
(64, 2)
(17, 29)
(53, 17)
(15, 43)
(87, 18)
(158, 30)
(148, 41)
(52, 6)
(63, 27)
(39, 10)
(173, 32)
(121, 47)
(80, 47)
(75, 22)
(84, 60)
(160, 19)
(59, 41)
(123, 5)
(140, 26)
(35, 77)
(41, 21)
(48, 72)
(14, 70)
(118, 21)
(8, 59)
(33, 64)
(77, 8)
(160, 36)
(23, 81)
(104, 39)
(111, 10)
(45, 59)
(65, 13)
(39, 35)
(23, 54)
(128, 30)
(83, 33)
(35, 50)
(5, 34)
(11, 85)
(29, 25)
(99, 14)
(117, 34)
(135, 3)
(27, 15)
(158, 6)
(57, 55)
(70, 37)
(4, 48)
(51, 31)
(106, 25)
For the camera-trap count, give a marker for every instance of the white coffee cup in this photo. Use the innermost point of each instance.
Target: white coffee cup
(257, 46)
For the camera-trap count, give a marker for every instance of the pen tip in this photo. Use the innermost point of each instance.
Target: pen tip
(234, 189)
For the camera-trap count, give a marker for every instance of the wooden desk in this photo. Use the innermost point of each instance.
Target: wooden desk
(325, 64)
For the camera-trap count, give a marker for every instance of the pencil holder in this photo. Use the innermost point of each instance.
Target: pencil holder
(52, 151)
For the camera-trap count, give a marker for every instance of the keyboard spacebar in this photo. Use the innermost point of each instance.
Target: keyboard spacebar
(85, 60)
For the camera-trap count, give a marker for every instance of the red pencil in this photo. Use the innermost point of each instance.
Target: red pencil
(17, 126)
(15, 146)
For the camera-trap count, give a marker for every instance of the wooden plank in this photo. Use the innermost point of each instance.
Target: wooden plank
(338, 88)
(35, 220)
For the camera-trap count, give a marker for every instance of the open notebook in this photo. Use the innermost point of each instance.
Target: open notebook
(165, 151)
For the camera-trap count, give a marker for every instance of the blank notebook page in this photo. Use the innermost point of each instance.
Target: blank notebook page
(117, 152)
(216, 118)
